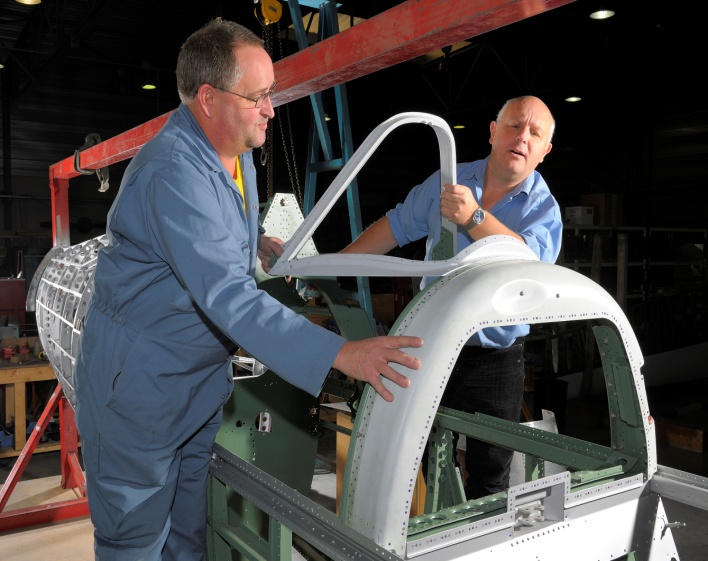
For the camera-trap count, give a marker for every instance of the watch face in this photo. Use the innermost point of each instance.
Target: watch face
(478, 216)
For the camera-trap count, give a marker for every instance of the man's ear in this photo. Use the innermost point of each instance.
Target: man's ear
(548, 149)
(492, 130)
(205, 99)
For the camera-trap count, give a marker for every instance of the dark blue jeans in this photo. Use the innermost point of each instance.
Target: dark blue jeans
(489, 381)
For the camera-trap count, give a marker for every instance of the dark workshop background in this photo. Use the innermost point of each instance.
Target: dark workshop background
(634, 148)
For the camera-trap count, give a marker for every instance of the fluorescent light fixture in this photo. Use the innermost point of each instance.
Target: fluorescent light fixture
(29, 2)
(573, 99)
(602, 14)
(458, 126)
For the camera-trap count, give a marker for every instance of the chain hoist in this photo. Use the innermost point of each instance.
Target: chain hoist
(267, 13)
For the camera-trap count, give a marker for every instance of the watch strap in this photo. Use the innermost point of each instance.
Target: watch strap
(475, 220)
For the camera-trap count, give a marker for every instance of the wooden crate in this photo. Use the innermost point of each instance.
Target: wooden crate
(679, 435)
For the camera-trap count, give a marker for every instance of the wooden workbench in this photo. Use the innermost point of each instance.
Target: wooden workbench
(15, 377)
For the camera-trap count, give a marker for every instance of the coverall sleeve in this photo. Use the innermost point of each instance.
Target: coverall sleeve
(202, 234)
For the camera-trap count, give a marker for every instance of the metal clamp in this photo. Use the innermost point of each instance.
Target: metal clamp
(92, 139)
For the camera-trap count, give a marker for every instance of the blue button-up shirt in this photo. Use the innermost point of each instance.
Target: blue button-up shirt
(530, 210)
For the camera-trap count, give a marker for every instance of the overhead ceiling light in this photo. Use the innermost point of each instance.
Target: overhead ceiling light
(602, 14)
(29, 2)
(573, 99)
(458, 126)
(2, 66)
(151, 78)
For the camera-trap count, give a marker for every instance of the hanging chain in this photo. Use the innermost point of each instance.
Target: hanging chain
(294, 176)
(292, 170)
(267, 154)
(290, 159)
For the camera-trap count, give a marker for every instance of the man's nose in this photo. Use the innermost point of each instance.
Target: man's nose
(268, 108)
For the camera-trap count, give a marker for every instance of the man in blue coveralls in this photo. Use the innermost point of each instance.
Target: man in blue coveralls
(501, 194)
(173, 298)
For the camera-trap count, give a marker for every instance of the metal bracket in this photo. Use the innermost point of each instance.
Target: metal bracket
(92, 139)
(249, 363)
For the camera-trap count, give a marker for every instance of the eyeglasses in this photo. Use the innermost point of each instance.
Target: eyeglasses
(258, 101)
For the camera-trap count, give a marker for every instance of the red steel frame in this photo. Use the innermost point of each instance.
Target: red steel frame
(72, 477)
(404, 32)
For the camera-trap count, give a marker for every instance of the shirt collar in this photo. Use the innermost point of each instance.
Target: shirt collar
(188, 121)
(475, 174)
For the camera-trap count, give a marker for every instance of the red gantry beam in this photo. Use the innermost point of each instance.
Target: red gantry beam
(404, 32)
(111, 151)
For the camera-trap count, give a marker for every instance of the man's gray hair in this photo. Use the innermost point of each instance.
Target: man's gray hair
(207, 57)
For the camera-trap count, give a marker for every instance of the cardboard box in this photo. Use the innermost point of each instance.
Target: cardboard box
(579, 215)
(12, 294)
(607, 206)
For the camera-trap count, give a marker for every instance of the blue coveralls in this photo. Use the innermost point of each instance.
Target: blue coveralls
(173, 296)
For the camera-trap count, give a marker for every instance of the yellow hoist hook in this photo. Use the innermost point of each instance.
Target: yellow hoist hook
(268, 11)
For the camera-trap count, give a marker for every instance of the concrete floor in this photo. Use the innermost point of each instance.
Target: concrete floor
(73, 540)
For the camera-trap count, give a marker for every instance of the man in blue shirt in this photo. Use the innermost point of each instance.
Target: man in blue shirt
(174, 296)
(501, 194)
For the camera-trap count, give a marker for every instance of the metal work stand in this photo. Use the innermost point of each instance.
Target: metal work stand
(72, 477)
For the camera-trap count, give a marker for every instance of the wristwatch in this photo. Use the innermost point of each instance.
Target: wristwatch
(478, 217)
